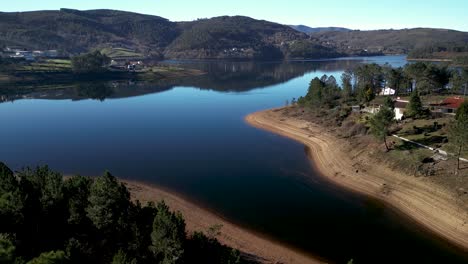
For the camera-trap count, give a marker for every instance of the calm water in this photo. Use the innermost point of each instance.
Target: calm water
(189, 135)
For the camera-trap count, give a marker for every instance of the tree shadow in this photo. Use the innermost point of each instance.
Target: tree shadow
(405, 146)
(431, 140)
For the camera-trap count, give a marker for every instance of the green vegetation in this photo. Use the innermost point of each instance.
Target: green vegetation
(94, 62)
(321, 91)
(360, 90)
(458, 134)
(134, 35)
(456, 52)
(305, 49)
(380, 124)
(121, 53)
(415, 107)
(418, 42)
(48, 219)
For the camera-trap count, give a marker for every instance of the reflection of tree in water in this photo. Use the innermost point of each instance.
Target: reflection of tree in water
(98, 91)
(223, 76)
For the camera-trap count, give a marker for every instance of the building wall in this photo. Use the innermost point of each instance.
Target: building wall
(399, 113)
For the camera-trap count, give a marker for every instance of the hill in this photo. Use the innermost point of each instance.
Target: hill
(233, 37)
(402, 41)
(72, 31)
(308, 30)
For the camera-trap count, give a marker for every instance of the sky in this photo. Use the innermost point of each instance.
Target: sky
(354, 14)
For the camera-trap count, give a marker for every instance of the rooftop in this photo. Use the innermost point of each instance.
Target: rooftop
(452, 102)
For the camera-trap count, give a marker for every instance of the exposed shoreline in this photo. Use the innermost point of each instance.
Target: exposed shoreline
(198, 218)
(426, 203)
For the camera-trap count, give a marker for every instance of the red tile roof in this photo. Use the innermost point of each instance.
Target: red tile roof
(452, 102)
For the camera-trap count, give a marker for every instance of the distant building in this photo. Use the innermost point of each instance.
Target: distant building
(387, 91)
(400, 108)
(27, 55)
(450, 105)
(14, 49)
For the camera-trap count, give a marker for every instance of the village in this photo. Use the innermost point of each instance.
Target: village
(121, 59)
(28, 55)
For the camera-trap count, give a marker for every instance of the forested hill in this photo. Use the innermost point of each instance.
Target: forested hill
(72, 31)
(394, 41)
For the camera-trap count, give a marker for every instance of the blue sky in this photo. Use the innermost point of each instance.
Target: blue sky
(355, 14)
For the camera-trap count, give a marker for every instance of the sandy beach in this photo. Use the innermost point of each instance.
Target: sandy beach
(200, 219)
(426, 203)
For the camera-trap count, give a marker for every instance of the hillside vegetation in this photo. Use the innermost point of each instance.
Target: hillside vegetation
(48, 219)
(393, 41)
(72, 31)
(130, 35)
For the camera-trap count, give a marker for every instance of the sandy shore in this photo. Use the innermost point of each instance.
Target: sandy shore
(427, 203)
(200, 219)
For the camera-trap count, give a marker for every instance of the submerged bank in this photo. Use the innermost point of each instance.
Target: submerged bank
(200, 219)
(428, 204)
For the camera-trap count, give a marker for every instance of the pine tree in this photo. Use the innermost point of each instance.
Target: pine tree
(458, 134)
(380, 124)
(168, 236)
(415, 108)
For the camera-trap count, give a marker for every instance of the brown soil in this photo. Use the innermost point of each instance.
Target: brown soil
(438, 207)
(250, 244)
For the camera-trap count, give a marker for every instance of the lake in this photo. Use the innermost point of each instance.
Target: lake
(189, 136)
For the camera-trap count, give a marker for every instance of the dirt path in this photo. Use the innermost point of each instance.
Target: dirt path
(428, 204)
(199, 219)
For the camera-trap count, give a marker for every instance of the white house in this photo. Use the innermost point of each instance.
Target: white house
(387, 91)
(400, 107)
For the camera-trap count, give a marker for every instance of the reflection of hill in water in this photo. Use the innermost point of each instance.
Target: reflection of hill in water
(220, 76)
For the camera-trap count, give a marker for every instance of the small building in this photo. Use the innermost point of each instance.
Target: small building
(400, 108)
(450, 105)
(27, 55)
(387, 91)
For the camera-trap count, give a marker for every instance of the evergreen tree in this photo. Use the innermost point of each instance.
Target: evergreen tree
(389, 103)
(380, 124)
(458, 134)
(415, 109)
(346, 79)
(109, 202)
(122, 258)
(168, 236)
(11, 201)
(93, 62)
(315, 91)
(7, 250)
(77, 190)
(52, 257)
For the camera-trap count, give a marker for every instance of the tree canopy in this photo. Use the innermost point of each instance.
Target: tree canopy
(93, 62)
(380, 124)
(48, 219)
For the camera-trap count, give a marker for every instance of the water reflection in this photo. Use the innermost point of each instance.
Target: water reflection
(223, 76)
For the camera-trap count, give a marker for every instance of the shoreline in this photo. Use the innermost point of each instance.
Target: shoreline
(430, 60)
(428, 205)
(197, 218)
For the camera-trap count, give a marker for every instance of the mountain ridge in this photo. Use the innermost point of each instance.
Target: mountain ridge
(226, 37)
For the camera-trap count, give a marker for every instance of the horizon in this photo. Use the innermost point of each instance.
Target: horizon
(351, 15)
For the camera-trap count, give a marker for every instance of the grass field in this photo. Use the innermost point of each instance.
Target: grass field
(120, 53)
